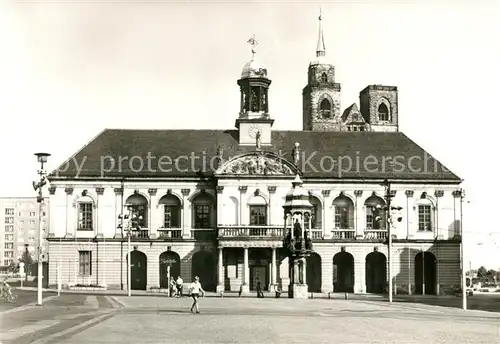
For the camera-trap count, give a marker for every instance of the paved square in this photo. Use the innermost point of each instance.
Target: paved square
(154, 319)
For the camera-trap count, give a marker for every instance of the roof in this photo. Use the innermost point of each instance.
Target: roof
(190, 153)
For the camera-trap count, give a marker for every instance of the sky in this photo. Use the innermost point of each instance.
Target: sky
(69, 69)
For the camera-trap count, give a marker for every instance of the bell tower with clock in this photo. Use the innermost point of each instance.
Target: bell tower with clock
(254, 123)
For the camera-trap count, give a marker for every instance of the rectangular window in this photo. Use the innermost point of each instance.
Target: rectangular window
(9, 237)
(32, 213)
(202, 216)
(8, 254)
(85, 216)
(424, 218)
(9, 246)
(9, 220)
(31, 223)
(9, 211)
(9, 228)
(258, 215)
(8, 262)
(172, 217)
(85, 260)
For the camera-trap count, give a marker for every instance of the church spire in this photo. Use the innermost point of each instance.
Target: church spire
(320, 48)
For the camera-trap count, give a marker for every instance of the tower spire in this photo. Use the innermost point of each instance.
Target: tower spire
(320, 47)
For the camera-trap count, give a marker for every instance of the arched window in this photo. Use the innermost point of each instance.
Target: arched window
(171, 211)
(139, 207)
(325, 108)
(344, 212)
(85, 213)
(324, 77)
(383, 113)
(316, 213)
(375, 213)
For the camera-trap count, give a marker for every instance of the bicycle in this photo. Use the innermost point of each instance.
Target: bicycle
(9, 296)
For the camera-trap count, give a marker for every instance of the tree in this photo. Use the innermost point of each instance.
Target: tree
(481, 272)
(27, 259)
(13, 267)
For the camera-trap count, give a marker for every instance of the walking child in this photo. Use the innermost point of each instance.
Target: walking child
(195, 290)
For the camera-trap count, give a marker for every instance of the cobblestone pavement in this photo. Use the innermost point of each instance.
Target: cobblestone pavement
(76, 318)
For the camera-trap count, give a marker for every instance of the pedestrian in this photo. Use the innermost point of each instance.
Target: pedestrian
(260, 294)
(195, 289)
(179, 282)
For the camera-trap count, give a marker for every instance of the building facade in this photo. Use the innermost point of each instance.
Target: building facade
(209, 203)
(20, 218)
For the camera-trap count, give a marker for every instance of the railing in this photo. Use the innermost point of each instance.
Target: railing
(139, 233)
(250, 231)
(203, 234)
(343, 233)
(375, 234)
(316, 234)
(169, 233)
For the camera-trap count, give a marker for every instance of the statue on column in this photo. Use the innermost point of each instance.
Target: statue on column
(258, 139)
(297, 230)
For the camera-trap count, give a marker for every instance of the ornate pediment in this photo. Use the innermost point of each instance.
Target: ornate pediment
(257, 163)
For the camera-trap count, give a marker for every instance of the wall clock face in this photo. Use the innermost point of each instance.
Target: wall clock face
(253, 130)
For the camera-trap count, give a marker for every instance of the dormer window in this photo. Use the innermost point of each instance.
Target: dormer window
(325, 108)
(383, 113)
(324, 78)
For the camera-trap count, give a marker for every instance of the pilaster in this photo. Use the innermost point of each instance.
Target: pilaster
(118, 211)
(52, 230)
(70, 226)
(409, 207)
(98, 213)
(153, 213)
(359, 218)
(220, 204)
(327, 214)
(243, 190)
(438, 194)
(271, 190)
(185, 216)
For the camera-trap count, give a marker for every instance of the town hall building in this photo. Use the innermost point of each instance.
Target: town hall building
(209, 203)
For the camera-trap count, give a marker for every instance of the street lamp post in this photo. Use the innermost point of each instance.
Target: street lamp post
(389, 234)
(462, 248)
(38, 186)
(126, 224)
(387, 209)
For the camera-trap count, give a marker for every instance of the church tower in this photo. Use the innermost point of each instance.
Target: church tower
(321, 96)
(254, 123)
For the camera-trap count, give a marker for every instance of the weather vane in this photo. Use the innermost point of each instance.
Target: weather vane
(253, 42)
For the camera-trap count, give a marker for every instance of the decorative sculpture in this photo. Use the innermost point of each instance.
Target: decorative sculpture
(296, 153)
(257, 164)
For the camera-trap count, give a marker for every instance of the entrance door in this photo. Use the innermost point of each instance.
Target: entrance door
(139, 270)
(258, 273)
